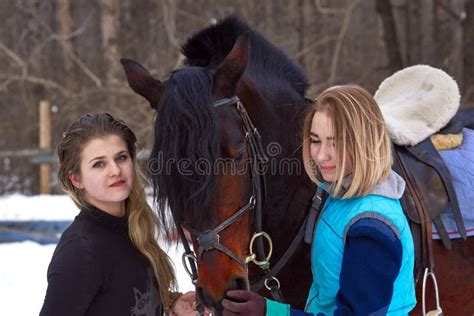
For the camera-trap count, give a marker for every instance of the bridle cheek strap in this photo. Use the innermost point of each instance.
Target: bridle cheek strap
(209, 239)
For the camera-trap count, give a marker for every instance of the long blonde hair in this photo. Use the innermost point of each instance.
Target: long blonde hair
(359, 131)
(142, 221)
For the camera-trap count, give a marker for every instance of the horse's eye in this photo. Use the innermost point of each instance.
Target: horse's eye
(238, 157)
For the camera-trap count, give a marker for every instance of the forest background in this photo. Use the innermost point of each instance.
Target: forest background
(68, 51)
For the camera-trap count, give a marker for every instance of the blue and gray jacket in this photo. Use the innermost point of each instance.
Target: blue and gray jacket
(362, 257)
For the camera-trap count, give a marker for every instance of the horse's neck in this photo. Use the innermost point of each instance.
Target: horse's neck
(290, 199)
(282, 111)
(287, 201)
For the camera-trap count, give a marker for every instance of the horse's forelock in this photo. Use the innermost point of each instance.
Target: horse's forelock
(187, 143)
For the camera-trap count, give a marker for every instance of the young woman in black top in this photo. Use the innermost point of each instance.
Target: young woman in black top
(108, 261)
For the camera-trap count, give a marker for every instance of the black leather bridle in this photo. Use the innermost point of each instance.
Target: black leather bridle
(209, 239)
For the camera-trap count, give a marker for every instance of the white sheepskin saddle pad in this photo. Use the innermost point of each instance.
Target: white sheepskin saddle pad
(417, 102)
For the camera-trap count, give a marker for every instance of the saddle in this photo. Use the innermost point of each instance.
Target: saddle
(429, 190)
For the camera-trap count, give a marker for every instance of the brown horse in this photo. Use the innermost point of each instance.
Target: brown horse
(227, 162)
(204, 143)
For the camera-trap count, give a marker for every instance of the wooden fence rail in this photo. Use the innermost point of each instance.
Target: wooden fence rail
(45, 144)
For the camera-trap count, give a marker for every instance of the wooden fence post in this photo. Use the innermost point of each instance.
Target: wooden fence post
(45, 144)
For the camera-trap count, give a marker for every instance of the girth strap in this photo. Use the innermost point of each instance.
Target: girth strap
(443, 234)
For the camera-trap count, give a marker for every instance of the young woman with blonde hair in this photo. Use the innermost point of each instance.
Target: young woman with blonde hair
(362, 252)
(108, 261)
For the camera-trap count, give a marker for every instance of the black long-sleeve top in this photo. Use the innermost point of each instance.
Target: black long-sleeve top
(96, 270)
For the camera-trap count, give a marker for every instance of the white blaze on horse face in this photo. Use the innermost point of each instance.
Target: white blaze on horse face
(322, 149)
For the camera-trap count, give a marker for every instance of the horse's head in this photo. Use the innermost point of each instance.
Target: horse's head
(207, 152)
(200, 163)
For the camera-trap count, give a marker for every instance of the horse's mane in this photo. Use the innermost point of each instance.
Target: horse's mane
(187, 141)
(269, 68)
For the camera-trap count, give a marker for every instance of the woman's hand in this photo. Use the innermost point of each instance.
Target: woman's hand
(186, 305)
(246, 303)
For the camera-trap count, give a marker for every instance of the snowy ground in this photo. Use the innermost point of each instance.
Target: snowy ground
(23, 265)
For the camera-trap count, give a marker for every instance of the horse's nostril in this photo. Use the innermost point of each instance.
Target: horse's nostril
(238, 283)
(214, 303)
(241, 284)
(207, 299)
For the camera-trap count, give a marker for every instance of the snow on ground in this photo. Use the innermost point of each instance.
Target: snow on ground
(40, 207)
(23, 265)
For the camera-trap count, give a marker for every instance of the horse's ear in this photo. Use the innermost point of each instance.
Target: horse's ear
(230, 71)
(140, 80)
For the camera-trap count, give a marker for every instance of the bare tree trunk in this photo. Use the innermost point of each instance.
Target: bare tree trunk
(468, 43)
(170, 9)
(269, 17)
(66, 26)
(449, 37)
(390, 35)
(300, 27)
(110, 27)
(335, 60)
(419, 31)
